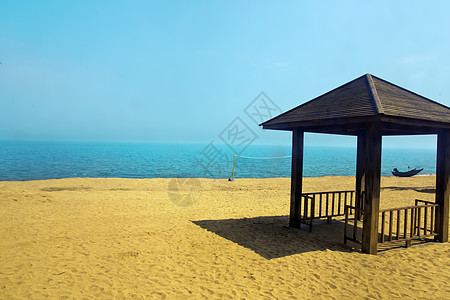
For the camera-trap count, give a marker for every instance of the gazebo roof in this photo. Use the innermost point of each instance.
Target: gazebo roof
(367, 99)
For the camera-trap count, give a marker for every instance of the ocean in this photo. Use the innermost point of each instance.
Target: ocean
(32, 160)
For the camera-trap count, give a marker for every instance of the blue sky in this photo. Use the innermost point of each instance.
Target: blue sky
(181, 71)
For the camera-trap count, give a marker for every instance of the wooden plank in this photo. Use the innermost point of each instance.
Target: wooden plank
(405, 223)
(415, 221)
(443, 185)
(296, 177)
(413, 214)
(351, 200)
(382, 226)
(313, 208)
(320, 205)
(419, 218)
(345, 200)
(318, 193)
(410, 238)
(312, 215)
(432, 225)
(390, 225)
(398, 224)
(345, 224)
(404, 207)
(314, 200)
(339, 203)
(305, 209)
(332, 203)
(372, 164)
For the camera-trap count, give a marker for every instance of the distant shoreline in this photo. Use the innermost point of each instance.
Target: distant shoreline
(205, 178)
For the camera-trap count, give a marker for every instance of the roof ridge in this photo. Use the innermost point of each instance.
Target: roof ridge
(315, 98)
(374, 94)
(409, 91)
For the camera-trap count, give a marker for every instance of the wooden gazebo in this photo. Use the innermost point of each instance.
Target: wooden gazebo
(369, 107)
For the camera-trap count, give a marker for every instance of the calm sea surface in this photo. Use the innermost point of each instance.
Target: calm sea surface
(49, 160)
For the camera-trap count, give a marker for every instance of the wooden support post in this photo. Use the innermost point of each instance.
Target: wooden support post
(360, 173)
(372, 166)
(443, 185)
(296, 177)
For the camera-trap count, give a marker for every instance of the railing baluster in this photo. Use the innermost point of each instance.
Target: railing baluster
(436, 229)
(425, 215)
(305, 209)
(301, 205)
(413, 214)
(390, 225)
(432, 220)
(351, 198)
(382, 226)
(405, 224)
(344, 199)
(419, 210)
(326, 210)
(398, 224)
(320, 205)
(339, 203)
(415, 220)
(355, 228)
(332, 204)
(312, 214)
(315, 204)
(345, 224)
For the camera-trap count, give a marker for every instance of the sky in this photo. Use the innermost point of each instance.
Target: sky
(184, 71)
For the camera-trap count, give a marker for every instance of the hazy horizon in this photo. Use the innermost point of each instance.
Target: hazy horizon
(186, 72)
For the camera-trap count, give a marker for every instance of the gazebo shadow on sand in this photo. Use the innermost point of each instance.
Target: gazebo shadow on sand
(268, 237)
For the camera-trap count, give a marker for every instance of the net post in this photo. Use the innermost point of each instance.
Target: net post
(234, 160)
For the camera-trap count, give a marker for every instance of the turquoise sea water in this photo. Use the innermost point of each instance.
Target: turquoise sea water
(49, 160)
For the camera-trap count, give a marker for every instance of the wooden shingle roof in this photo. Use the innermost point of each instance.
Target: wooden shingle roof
(366, 99)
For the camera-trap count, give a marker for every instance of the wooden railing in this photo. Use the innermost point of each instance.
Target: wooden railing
(354, 233)
(408, 223)
(399, 224)
(324, 205)
(426, 217)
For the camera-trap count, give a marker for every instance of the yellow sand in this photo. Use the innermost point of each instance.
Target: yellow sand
(152, 238)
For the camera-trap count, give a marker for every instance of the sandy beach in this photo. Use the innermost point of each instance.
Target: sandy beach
(200, 238)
